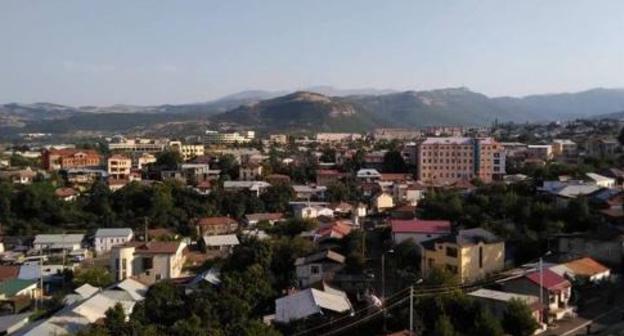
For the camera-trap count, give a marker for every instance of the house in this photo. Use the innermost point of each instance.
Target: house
(564, 191)
(221, 243)
(57, 159)
(18, 287)
(343, 209)
(583, 269)
(325, 177)
(555, 290)
(311, 302)
(148, 261)
(256, 187)
(334, 230)
(601, 181)
(105, 239)
(470, 254)
(382, 202)
(418, 230)
(250, 171)
(66, 194)
(253, 219)
(319, 266)
(496, 302)
(412, 194)
(20, 176)
(215, 226)
(313, 211)
(309, 192)
(68, 242)
(119, 167)
(564, 148)
(368, 175)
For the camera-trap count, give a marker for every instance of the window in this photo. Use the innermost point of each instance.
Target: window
(451, 252)
(148, 263)
(480, 256)
(315, 269)
(451, 268)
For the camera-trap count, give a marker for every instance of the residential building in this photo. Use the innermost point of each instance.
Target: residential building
(337, 137)
(325, 177)
(253, 219)
(188, 151)
(309, 192)
(57, 159)
(221, 243)
(319, 266)
(280, 139)
(555, 291)
(66, 194)
(148, 261)
(119, 167)
(144, 159)
(541, 152)
(564, 148)
(584, 269)
(496, 302)
(105, 239)
(214, 137)
(390, 134)
(418, 230)
(67, 242)
(196, 173)
(601, 147)
(368, 175)
(382, 202)
(311, 302)
(19, 176)
(470, 254)
(215, 226)
(138, 145)
(250, 172)
(448, 160)
(600, 180)
(313, 211)
(257, 187)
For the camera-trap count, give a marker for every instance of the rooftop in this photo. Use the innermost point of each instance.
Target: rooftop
(420, 226)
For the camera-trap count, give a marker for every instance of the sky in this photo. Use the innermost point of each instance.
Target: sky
(153, 52)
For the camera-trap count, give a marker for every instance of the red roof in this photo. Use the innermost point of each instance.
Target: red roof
(420, 226)
(550, 280)
(328, 172)
(8, 272)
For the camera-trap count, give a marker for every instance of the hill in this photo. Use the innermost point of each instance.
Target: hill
(302, 110)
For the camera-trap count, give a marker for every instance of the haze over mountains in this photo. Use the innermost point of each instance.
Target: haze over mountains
(320, 108)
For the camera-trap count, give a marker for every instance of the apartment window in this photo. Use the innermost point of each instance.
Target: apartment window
(148, 263)
(451, 252)
(315, 269)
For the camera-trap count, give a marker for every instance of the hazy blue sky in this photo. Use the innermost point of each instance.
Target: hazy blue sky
(146, 52)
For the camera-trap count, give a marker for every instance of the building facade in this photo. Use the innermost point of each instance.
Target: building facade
(449, 160)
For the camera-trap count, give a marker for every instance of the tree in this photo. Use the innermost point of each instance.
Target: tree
(169, 159)
(621, 136)
(115, 321)
(276, 197)
(487, 325)
(95, 276)
(440, 277)
(394, 163)
(443, 327)
(518, 320)
(337, 192)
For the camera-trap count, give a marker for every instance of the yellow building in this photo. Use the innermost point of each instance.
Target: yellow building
(470, 254)
(383, 202)
(188, 151)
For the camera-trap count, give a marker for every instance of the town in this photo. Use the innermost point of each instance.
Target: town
(508, 229)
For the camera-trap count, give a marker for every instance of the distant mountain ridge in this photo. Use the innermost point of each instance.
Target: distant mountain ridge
(360, 109)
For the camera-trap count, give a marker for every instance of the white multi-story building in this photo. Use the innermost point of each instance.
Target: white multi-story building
(215, 137)
(105, 239)
(139, 145)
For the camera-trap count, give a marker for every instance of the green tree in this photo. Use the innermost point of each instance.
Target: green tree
(95, 276)
(169, 159)
(518, 320)
(276, 197)
(443, 327)
(394, 163)
(487, 325)
(115, 321)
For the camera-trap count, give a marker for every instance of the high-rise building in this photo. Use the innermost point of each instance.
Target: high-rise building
(452, 159)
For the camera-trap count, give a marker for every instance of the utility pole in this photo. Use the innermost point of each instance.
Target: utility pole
(541, 279)
(411, 324)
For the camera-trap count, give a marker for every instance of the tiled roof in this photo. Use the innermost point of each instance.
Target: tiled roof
(8, 272)
(158, 247)
(550, 280)
(420, 226)
(586, 267)
(212, 221)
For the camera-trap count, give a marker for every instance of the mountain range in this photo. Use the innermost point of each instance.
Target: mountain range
(319, 108)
